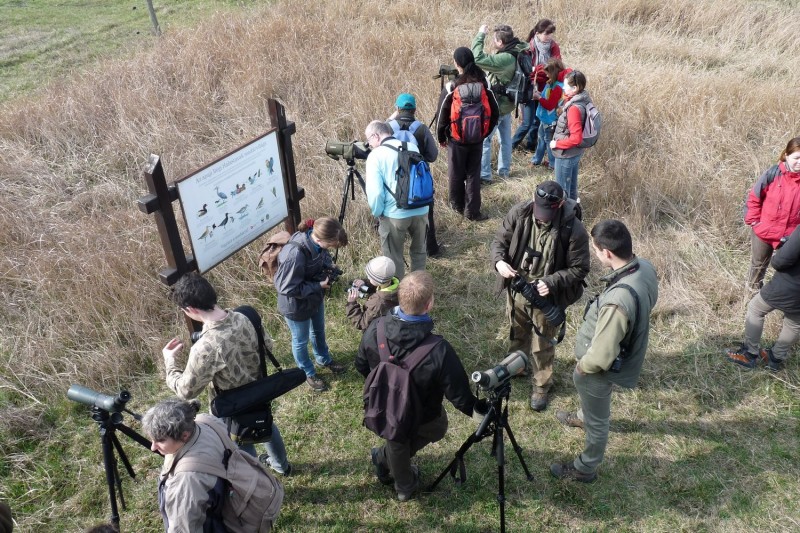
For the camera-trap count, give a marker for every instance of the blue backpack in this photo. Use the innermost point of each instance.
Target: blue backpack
(414, 186)
(407, 134)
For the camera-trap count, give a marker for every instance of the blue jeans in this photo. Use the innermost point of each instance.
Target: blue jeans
(542, 144)
(300, 329)
(567, 174)
(276, 451)
(504, 160)
(529, 126)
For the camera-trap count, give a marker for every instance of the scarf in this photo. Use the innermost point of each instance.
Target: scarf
(542, 51)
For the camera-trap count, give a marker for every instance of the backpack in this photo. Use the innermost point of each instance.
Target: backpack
(592, 123)
(518, 90)
(246, 498)
(392, 408)
(414, 186)
(405, 134)
(268, 259)
(470, 113)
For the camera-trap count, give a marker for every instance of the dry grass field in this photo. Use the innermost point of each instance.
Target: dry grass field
(698, 98)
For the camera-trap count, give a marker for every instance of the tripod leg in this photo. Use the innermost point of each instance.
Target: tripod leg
(498, 450)
(348, 184)
(516, 446)
(110, 465)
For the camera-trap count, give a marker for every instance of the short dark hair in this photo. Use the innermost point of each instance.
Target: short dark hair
(193, 290)
(613, 235)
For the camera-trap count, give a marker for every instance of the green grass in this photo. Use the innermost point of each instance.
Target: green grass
(41, 40)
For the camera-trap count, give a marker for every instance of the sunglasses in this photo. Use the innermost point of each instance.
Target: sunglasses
(552, 198)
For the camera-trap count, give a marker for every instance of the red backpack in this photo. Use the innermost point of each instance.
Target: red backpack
(470, 113)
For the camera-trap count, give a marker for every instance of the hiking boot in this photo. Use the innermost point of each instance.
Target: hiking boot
(381, 471)
(742, 357)
(569, 472)
(486, 183)
(480, 217)
(539, 400)
(569, 419)
(316, 383)
(405, 496)
(335, 367)
(266, 460)
(773, 364)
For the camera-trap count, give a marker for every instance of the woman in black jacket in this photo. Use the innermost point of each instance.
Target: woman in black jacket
(304, 272)
(463, 133)
(782, 293)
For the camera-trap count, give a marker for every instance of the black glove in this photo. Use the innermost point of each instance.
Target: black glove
(481, 406)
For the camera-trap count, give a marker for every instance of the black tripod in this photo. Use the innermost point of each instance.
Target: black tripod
(493, 423)
(109, 423)
(349, 190)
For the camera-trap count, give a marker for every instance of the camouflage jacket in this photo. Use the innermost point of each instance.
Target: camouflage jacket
(226, 356)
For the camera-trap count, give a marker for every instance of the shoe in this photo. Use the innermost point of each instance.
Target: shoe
(569, 419)
(539, 400)
(480, 217)
(535, 164)
(405, 496)
(456, 208)
(486, 183)
(265, 460)
(569, 472)
(773, 364)
(381, 471)
(335, 367)
(503, 177)
(435, 252)
(316, 383)
(742, 357)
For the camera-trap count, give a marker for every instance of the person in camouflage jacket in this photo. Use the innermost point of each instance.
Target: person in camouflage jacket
(225, 356)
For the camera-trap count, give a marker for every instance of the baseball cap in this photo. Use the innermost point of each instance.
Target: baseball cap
(380, 270)
(546, 200)
(406, 101)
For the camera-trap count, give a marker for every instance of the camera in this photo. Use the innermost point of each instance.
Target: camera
(348, 151)
(446, 70)
(106, 402)
(331, 272)
(496, 377)
(552, 313)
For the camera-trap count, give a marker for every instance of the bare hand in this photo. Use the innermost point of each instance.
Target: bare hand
(172, 349)
(357, 283)
(352, 294)
(552, 145)
(325, 284)
(484, 28)
(542, 287)
(505, 270)
(578, 369)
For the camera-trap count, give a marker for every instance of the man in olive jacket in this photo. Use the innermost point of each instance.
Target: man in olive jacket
(611, 343)
(499, 67)
(544, 241)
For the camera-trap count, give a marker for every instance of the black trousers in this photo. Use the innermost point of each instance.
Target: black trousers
(464, 177)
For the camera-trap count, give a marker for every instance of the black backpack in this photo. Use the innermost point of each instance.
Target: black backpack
(392, 407)
(518, 90)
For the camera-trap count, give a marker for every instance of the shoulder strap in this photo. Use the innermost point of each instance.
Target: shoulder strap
(414, 126)
(190, 464)
(638, 306)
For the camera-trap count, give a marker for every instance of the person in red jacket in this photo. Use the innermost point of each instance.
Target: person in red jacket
(543, 48)
(773, 210)
(568, 135)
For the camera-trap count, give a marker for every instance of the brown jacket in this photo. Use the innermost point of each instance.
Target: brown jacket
(378, 304)
(568, 264)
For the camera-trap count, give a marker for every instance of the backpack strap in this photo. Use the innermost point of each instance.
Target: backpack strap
(638, 312)
(192, 464)
(412, 360)
(403, 148)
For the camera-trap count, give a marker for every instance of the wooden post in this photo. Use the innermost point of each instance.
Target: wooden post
(153, 19)
(159, 203)
(277, 116)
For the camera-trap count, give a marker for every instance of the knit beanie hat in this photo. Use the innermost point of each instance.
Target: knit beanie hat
(380, 270)
(463, 56)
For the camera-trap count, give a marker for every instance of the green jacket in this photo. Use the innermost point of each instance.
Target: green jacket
(499, 66)
(612, 319)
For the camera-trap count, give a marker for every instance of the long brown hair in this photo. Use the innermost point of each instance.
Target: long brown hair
(329, 231)
(791, 147)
